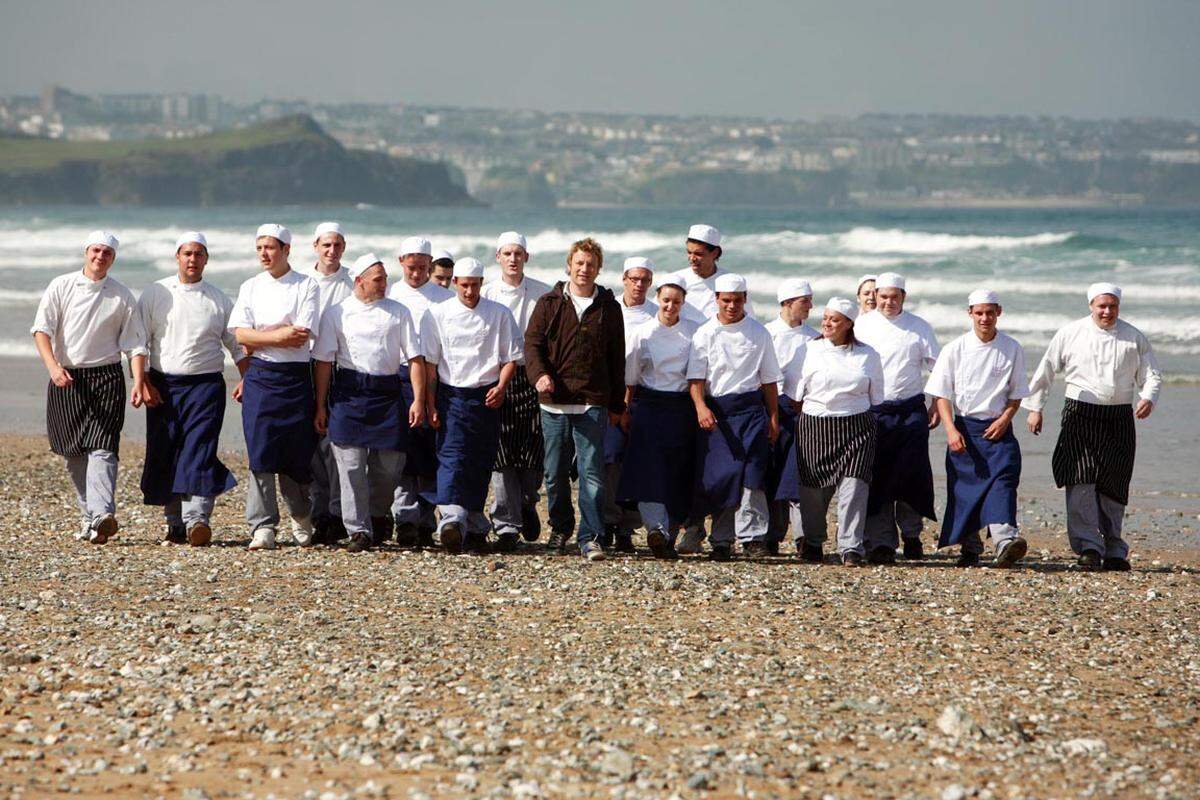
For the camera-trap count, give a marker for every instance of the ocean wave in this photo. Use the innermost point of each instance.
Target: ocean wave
(18, 297)
(898, 240)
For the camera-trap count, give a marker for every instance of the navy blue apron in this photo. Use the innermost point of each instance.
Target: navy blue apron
(660, 459)
(981, 483)
(367, 411)
(466, 446)
(902, 471)
(783, 477)
(182, 434)
(421, 448)
(615, 441)
(278, 405)
(733, 455)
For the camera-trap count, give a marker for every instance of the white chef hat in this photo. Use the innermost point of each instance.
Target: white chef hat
(729, 282)
(363, 263)
(189, 237)
(100, 237)
(672, 280)
(468, 268)
(637, 262)
(705, 233)
(510, 237)
(328, 227)
(982, 296)
(275, 231)
(443, 255)
(847, 308)
(792, 288)
(863, 280)
(416, 245)
(889, 280)
(1097, 289)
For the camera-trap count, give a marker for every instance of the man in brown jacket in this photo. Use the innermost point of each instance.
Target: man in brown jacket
(575, 358)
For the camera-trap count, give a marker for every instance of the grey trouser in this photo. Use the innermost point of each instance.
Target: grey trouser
(408, 506)
(189, 509)
(626, 519)
(366, 477)
(94, 476)
(467, 521)
(783, 514)
(881, 527)
(1094, 522)
(1000, 532)
(851, 513)
(262, 508)
(326, 491)
(748, 520)
(512, 489)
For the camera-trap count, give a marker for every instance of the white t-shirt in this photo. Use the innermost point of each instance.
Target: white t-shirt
(581, 304)
(634, 316)
(788, 340)
(907, 347)
(657, 356)
(470, 345)
(331, 289)
(733, 359)
(1104, 367)
(265, 303)
(186, 327)
(373, 338)
(835, 381)
(519, 299)
(701, 294)
(90, 323)
(980, 378)
(418, 300)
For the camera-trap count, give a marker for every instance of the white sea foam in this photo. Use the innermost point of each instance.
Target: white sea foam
(18, 297)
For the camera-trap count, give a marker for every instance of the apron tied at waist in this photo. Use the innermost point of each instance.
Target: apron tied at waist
(733, 455)
(660, 458)
(466, 446)
(1096, 445)
(278, 406)
(367, 411)
(981, 482)
(182, 435)
(902, 471)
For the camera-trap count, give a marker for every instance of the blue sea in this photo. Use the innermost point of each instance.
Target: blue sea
(1039, 260)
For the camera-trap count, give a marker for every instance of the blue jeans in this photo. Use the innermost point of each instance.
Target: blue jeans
(586, 432)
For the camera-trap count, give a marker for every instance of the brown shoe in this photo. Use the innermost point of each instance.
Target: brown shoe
(199, 534)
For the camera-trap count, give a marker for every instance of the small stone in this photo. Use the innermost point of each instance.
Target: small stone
(495, 566)
(202, 622)
(373, 721)
(955, 722)
(1084, 747)
(954, 792)
(697, 781)
(617, 762)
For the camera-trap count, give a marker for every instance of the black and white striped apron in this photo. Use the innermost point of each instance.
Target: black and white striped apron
(832, 448)
(520, 426)
(1096, 445)
(89, 414)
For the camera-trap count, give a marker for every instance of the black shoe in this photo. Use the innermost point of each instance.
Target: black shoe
(531, 523)
(507, 542)
(1090, 561)
(1116, 565)
(452, 539)
(406, 534)
(967, 560)
(336, 530)
(425, 539)
(812, 553)
(176, 534)
(320, 534)
(624, 543)
(660, 546)
(358, 543)
(721, 552)
(772, 548)
(381, 529)
(913, 549)
(881, 555)
(606, 538)
(850, 558)
(559, 541)
(755, 550)
(477, 544)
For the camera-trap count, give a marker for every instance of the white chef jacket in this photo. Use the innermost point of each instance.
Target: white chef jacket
(701, 294)
(634, 316)
(418, 300)
(470, 345)
(373, 338)
(787, 341)
(265, 303)
(331, 289)
(980, 378)
(835, 381)
(90, 323)
(907, 346)
(186, 326)
(733, 359)
(657, 356)
(520, 299)
(1104, 367)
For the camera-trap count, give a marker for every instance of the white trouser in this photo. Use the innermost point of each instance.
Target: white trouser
(366, 477)
(748, 520)
(513, 488)
(467, 521)
(94, 476)
(851, 513)
(262, 507)
(189, 509)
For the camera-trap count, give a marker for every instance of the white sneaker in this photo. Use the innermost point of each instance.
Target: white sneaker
(263, 538)
(592, 551)
(302, 531)
(85, 531)
(691, 542)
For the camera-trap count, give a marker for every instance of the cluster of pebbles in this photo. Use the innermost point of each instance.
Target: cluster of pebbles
(141, 669)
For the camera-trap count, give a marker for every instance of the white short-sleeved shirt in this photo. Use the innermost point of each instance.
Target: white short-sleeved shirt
(788, 340)
(90, 323)
(657, 355)
(186, 327)
(733, 359)
(265, 303)
(701, 292)
(373, 338)
(833, 380)
(418, 300)
(634, 316)
(470, 345)
(333, 288)
(907, 346)
(980, 378)
(1104, 367)
(519, 299)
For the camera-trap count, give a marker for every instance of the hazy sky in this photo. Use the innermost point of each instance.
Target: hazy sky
(1087, 58)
